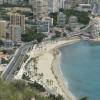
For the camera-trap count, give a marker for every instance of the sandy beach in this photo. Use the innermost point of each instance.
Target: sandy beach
(48, 64)
(56, 69)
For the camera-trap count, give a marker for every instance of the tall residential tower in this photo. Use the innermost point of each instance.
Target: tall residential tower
(17, 19)
(40, 8)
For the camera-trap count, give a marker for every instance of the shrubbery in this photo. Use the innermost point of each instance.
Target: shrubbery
(19, 90)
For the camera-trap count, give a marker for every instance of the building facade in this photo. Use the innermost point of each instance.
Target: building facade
(3, 25)
(40, 8)
(95, 27)
(15, 33)
(73, 3)
(53, 6)
(14, 2)
(43, 26)
(16, 19)
(84, 7)
(1, 2)
(61, 19)
(95, 7)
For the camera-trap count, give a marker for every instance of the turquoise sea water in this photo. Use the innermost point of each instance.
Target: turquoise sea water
(80, 64)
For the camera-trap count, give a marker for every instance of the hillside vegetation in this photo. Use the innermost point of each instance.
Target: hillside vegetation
(19, 90)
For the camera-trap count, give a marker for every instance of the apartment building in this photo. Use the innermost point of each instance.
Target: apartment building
(3, 25)
(53, 6)
(16, 19)
(15, 33)
(12, 1)
(40, 8)
(73, 3)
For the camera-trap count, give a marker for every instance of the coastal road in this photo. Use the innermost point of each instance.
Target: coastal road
(16, 62)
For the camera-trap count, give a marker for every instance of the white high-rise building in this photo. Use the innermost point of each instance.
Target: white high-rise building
(61, 3)
(61, 19)
(15, 33)
(30, 2)
(95, 7)
(3, 25)
(12, 1)
(40, 8)
(9, 1)
(73, 3)
(1, 2)
(17, 19)
(53, 6)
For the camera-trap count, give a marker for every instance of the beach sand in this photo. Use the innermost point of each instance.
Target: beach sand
(48, 64)
(56, 69)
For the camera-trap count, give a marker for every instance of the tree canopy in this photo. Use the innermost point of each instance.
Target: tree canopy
(83, 17)
(19, 90)
(32, 35)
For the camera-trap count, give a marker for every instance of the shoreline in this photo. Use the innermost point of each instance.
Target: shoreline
(47, 64)
(57, 72)
(60, 79)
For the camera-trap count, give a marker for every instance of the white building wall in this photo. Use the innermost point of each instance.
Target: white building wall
(61, 3)
(15, 32)
(40, 8)
(1, 2)
(53, 6)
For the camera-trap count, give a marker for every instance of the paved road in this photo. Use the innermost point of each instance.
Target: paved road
(16, 62)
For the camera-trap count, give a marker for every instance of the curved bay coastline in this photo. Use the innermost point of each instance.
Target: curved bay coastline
(56, 70)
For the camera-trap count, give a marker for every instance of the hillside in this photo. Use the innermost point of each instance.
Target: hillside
(19, 90)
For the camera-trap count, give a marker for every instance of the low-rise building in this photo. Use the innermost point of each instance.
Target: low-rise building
(1, 2)
(43, 26)
(13, 2)
(49, 20)
(3, 56)
(73, 3)
(7, 43)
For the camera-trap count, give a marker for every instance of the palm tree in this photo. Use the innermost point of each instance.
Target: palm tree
(47, 81)
(35, 64)
(51, 82)
(55, 88)
(42, 77)
(35, 70)
(39, 77)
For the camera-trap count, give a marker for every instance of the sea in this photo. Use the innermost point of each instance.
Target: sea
(80, 65)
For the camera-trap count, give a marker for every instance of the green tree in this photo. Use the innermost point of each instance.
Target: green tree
(31, 35)
(83, 17)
